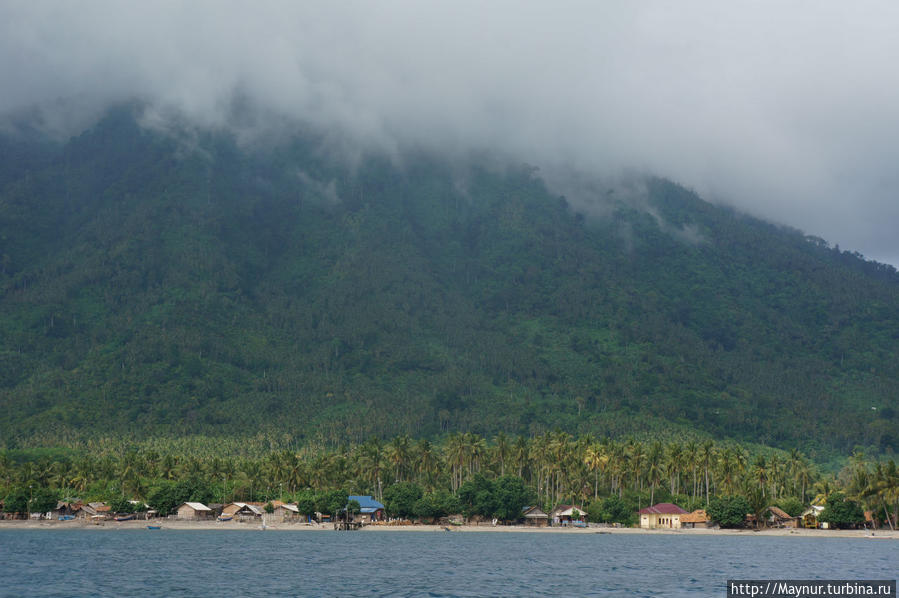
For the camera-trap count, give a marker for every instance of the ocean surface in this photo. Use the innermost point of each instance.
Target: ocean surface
(255, 563)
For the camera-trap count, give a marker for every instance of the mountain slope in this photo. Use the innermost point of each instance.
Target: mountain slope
(159, 284)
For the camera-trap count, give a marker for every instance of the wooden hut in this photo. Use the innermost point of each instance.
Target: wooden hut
(243, 511)
(285, 511)
(779, 518)
(534, 517)
(194, 511)
(698, 518)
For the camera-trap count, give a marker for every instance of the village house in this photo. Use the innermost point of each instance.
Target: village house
(568, 515)
(535, 517)
(779, 518)
(285, 512)
(810, 517)
(371, 510)
(243, 511)
(194, 511)
(94, 511)
(66, 510)
(664, 515)
(697, 519)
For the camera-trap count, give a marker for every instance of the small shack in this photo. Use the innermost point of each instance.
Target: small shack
(66, 510)
(697, 519)
(243, 511)
(194, 511)
(535, 517)
(93, 511)
(285, 511)
(780, 518)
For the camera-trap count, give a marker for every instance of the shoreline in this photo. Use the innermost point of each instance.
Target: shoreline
(312, 527)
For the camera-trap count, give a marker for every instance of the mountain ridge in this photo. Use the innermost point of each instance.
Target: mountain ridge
(150, 287)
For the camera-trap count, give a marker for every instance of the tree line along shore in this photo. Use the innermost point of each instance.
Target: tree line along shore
(464, 473)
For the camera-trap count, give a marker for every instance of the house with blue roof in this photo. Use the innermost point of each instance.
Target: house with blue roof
(371, 509)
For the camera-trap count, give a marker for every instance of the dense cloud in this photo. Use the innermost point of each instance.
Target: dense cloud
(786, 110)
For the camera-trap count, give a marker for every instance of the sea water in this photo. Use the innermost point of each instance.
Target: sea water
(255, 563)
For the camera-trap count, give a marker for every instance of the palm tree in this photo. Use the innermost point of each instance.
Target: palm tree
(617, 467)
(502, 450)
(637, 455)
(760, 472)
(595, 459)
(884, 486)
(727, 465)
(398, 455)
(371, 460)
(654, 467)
(673, 462)
(427, 463)
(823, 489)
(520, 454)
(691, 456)
(706, 455)
(454, 451)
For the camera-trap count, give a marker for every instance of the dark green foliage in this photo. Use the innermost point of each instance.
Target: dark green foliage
(502, 498)
(150, 290)
(168, 497)
(121, 505)
(400, 499)
(729, 511)
(512, 495)
(332, 502)
(841, 512)
(43, 499)
(433, 505)
(478, 496)
(791, 506)
(269, 507)
(306, 503)
(612, 510)
(16, 501)
(352, 507)
(758, 502)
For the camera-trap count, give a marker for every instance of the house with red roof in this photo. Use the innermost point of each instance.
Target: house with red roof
(664, 515)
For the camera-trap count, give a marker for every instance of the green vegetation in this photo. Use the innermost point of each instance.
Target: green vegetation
(613, 509)
(839, 511)
(154, 287)
(729, 511)
(465, 474)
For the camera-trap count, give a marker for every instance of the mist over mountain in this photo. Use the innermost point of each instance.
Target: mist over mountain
(163, 278)
(786, 112)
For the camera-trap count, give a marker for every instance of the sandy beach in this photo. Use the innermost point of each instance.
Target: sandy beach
(174, 524)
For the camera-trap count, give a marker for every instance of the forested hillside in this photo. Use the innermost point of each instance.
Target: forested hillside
(159, 284)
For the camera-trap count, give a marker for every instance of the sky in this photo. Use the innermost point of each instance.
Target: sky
(786, 110)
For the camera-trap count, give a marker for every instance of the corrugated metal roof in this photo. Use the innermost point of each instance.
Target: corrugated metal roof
(567, 511)
(197, 506)
(366, 502)
(663, 508)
